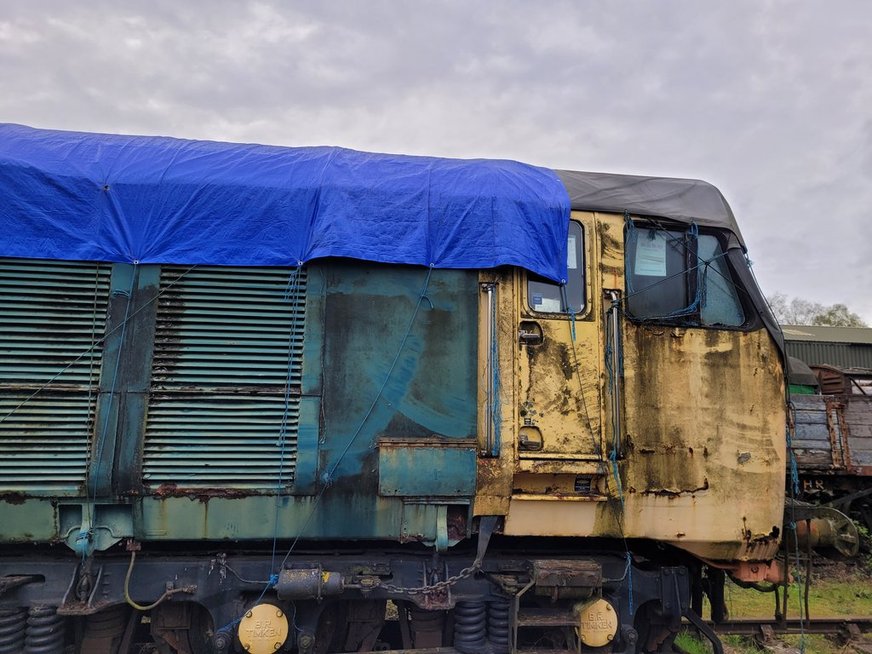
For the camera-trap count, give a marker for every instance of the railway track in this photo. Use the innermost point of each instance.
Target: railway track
(849, 628)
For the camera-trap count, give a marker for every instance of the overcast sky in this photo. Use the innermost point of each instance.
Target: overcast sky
(771, 101)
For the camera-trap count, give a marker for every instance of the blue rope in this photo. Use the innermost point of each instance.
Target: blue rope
(613, 457)
(701, 271)
(630, 580)
(290, 296)
(794, 470)
(328, 476)
(569, 310)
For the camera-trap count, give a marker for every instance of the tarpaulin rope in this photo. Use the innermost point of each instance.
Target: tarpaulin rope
(327, 478)
(290, 297)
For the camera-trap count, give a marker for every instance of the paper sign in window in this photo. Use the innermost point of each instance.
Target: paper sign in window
(546, 304)
(650, 257)
(571, 255)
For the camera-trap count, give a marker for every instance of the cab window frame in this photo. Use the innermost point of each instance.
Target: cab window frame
(692, 310)
(574, 291)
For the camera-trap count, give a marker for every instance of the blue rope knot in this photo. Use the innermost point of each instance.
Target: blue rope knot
(273, 580)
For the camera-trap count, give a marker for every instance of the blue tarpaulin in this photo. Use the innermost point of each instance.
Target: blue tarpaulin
(100, 197)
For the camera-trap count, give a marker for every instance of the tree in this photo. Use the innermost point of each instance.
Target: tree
(798, 311)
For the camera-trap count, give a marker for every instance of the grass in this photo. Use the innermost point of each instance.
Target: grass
(836, 590)
(846, 595)
(814, 644)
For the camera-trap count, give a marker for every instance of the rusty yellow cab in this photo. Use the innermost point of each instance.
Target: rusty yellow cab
(663, 429)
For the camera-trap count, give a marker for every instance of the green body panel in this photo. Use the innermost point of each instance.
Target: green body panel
(406, 471)
(246, 404)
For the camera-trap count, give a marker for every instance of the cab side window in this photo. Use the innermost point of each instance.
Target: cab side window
(545, 296)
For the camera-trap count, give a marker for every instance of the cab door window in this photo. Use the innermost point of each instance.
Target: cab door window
(545, 296)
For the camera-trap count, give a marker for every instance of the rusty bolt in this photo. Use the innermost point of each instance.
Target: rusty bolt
(279, 613)
(609, 637)
(276, 646)
(248, 614)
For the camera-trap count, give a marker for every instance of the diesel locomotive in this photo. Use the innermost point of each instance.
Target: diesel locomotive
(264, 399)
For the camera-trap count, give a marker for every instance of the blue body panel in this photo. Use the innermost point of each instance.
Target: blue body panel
(234, 403)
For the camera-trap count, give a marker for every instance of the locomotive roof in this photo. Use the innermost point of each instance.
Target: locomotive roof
(144, 199)
(680, 200)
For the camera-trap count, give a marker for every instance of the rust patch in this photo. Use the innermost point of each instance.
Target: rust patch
(13, 498)
(412, 538)
(672, 492)
(457, 523)
(202, 494)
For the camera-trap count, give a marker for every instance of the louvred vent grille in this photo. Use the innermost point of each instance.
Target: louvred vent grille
(52, 321)
(226, 376)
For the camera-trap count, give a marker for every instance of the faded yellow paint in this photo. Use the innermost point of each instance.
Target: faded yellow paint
(559, 380)
(703, 425)
(494, 475)
(540, 516)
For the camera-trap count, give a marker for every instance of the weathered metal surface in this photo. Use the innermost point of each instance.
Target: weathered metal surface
(558, 378)
(858, 417)
(192, 399)
(558, 579)
(823, 528)
(431, 388)
(842, 354)
(560, 394)
(416, 469)
(818, 441)
(705, 424)
(52, 319)
(494, 474)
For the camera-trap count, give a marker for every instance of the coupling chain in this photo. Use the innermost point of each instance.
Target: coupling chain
(439, 585)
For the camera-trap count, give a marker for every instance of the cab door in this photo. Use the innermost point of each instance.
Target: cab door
(560, 368)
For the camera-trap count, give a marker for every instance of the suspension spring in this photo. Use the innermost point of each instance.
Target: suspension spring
(498, 626)
(470, 627)
(427, 627)
(45, 631)
(105, 629)
(13, 626)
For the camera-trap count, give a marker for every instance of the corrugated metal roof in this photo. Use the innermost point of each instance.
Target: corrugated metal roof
(857, 335)
(840, 355)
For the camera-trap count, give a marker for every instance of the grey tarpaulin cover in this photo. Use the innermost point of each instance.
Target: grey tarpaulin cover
(683, 200)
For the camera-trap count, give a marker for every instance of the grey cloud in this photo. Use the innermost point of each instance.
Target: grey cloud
(768, 100)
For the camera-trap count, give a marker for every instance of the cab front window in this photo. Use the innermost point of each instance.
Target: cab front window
(681, 277)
